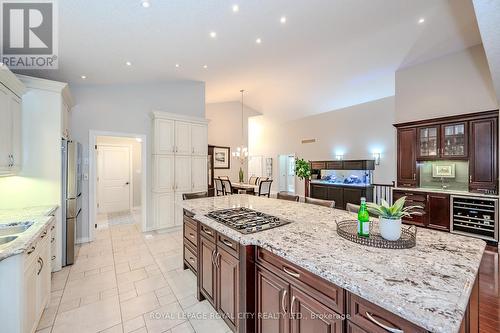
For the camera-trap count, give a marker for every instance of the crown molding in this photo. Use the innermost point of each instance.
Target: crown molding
(10, 80)
(175, 116)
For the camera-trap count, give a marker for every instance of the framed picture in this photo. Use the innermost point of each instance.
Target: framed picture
(443, 170)
(222, 157)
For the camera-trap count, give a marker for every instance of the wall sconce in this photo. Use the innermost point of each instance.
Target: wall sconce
(339, 156)
(376, 157)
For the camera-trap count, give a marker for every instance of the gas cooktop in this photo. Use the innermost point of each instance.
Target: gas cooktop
(246, 220)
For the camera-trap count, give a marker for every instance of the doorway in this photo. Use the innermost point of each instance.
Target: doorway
(117, 180)
(286, 172)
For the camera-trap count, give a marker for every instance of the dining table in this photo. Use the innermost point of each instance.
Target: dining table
(249, 188)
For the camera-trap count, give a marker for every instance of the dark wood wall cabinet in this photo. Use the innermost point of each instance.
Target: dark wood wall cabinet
(435, 211)
(470, 137)
(343, 165)
(278, 296)
(341, 194)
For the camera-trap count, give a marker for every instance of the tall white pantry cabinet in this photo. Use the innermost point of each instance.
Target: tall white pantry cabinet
(180, 153)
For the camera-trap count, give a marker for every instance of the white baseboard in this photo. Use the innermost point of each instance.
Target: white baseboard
(82, 240)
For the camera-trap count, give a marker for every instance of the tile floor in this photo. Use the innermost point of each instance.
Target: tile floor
(128, 281)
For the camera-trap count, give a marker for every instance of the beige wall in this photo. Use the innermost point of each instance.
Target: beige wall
(357, 131)
(136, 162)
(455, 84)
(224, 129)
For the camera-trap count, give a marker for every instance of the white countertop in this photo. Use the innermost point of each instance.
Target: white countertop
(40, 216)
(429, 285)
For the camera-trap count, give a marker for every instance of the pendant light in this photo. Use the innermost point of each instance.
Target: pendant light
(241, 151)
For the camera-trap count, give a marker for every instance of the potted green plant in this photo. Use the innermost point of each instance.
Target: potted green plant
(390, 216)
(302, 169)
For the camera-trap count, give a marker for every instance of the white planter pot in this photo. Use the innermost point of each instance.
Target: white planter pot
(390, 229)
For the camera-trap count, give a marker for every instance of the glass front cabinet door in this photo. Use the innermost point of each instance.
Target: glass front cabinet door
(454, 140)
(428, 143)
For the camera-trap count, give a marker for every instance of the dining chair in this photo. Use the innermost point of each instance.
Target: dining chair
(287, 196)
(223, 177)
(262, 179)
(352, 208)
(194, 195)
(321, 202)
(265, 188)
(253, 180)
(226, 185)
(219, 188)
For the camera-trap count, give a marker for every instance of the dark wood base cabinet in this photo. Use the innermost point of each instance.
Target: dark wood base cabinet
(435, 208)
(255, 290)
(341, 194)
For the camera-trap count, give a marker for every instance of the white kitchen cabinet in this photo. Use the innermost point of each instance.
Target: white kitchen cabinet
(163, 173)
(25, 286)
(183, 174)
(179, 165)
(199, 177)
(199, 135)
(183, 138)
(163, 210)
(164, 138)
(11, 89)
(5, 130)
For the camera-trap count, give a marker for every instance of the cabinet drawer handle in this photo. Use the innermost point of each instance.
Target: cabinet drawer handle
(191, 259)
(43, 234)
(217, 260)
(31, 250)
(207, 231)
(191, 235)
(292, 314)
(40, 260)
(226, 242)
(213, 260)
(292, 273)
(385, 327)
(283, 301)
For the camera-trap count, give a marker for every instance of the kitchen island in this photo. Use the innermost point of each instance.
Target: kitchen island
(429, 285)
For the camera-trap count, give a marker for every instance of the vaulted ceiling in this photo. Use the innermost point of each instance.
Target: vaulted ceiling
(329, 54)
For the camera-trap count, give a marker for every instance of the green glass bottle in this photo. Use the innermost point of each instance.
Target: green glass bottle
(363, 220)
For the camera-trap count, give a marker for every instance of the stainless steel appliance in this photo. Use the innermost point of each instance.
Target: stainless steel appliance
(71, 196)
(246, 220)
(475, 216)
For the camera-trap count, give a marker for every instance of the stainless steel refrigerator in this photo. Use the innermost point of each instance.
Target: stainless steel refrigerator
(72, 197)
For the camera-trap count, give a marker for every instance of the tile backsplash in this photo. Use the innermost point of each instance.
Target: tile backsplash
(460, 182)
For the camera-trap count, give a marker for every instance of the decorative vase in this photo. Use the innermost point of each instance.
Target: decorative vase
(390, 229)
(241, 175)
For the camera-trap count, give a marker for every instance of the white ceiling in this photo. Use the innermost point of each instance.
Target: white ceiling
(330, 53)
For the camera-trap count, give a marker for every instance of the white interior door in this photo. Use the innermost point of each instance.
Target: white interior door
(113, 178)
(283, 173)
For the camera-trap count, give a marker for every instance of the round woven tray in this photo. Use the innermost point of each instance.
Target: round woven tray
(348, 229)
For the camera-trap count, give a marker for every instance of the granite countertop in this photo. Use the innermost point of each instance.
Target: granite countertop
(39, 217)
(451, 192)
(429, 285)
(326, 182)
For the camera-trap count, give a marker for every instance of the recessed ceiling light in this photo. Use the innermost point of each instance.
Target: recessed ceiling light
(283, 19)
(177, 65)
(421, 20)
(146, 3)
(84, 77)
(128, 63)
(205, 66)
(258, 40)
(213, 34)
(236, 8)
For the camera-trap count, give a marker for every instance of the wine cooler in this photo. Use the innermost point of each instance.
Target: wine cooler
(475, 216)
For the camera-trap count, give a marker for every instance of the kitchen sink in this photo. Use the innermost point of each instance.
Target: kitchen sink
(7, 239)
(14, 229)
